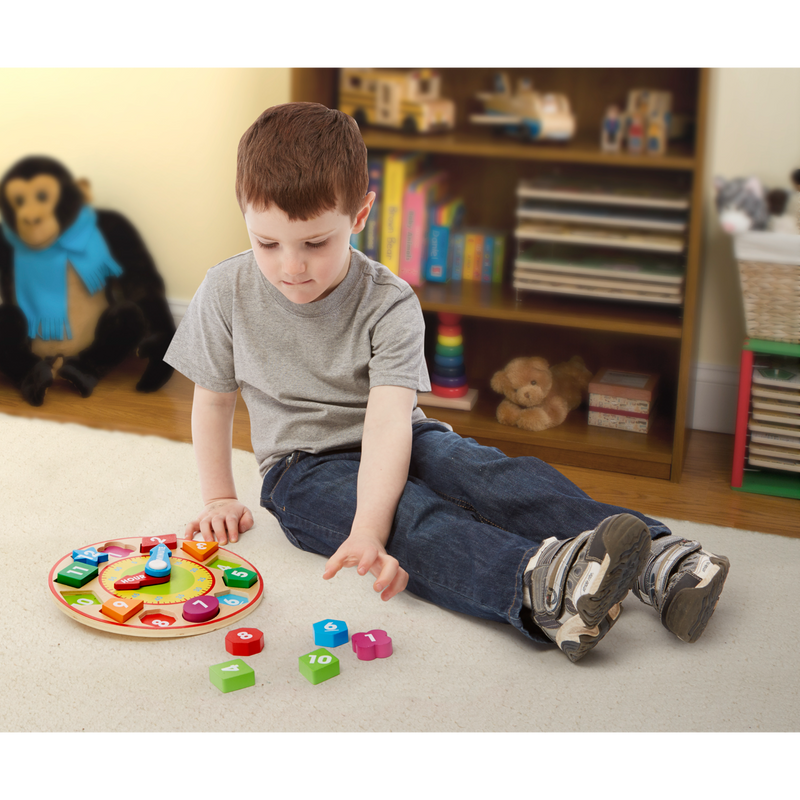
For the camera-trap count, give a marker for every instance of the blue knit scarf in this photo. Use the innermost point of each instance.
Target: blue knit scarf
(40, 276)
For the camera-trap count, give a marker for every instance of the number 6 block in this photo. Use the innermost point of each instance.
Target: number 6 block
(330, 633)
(319, 666)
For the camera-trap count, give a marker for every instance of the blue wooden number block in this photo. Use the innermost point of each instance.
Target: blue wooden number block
(330, 633)
(90, 556)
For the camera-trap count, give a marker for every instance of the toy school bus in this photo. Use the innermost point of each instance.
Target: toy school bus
(408, 100)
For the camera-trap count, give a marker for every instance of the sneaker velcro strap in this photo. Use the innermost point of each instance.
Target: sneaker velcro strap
(668, 562)
(645, 586)
(566, 552)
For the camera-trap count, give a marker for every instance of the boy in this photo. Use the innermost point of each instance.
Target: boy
(327, 349)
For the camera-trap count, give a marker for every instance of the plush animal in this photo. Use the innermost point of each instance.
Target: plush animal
(79, 290)
(741, 204)
(537, 396)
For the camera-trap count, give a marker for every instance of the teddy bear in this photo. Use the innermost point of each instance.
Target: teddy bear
(539, 396)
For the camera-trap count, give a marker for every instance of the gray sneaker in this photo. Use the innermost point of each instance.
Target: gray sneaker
(682, 582)
(575, 585)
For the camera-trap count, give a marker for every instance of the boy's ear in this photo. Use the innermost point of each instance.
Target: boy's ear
(361, 217)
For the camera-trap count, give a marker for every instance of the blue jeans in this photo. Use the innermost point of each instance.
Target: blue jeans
(469, 520)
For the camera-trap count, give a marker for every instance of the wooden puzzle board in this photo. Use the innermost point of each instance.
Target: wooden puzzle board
(162, 613)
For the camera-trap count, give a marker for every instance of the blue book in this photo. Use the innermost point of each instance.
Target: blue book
(371, 240)
(488, 258)
(457, 255)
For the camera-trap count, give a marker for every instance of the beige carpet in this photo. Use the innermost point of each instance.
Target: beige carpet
(64, 486)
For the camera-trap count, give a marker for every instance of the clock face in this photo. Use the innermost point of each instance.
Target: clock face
(187, 580)
(99, 585)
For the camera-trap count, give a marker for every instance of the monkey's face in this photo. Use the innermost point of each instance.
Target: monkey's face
(34, 203)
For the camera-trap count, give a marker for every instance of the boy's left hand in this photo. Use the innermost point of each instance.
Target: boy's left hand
(368, 554)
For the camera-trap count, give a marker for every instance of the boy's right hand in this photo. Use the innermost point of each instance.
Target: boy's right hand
(224, 519)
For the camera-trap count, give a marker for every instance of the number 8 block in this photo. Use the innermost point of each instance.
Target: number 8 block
(244, 642)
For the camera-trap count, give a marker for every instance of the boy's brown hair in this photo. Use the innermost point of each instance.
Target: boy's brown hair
(306, 159)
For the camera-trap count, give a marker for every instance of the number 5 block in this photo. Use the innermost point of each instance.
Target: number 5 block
(319, 666)
(232, 675)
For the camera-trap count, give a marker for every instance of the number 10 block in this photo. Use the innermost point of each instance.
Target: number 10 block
(319, 666)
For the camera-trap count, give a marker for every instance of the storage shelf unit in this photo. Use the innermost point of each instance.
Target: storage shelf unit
(500, 324)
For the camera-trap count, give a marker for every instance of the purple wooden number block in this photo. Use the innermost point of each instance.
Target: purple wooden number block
(201, 609)
(368, 646)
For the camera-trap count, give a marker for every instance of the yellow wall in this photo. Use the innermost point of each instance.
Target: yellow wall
(160, 146)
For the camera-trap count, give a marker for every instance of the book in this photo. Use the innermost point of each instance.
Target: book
(613, 217)
(421, 193)
(371, 240)
(499, 258)
(619, 193)
(456, 255)
(608, 237)
(444, 218)
(398, 170)
(473, 255)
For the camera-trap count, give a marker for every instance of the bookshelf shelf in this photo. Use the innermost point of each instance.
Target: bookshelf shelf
(491, 301)
(583, 149)
(500, 323)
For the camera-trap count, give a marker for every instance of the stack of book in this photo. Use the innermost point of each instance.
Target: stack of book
(416, 227)
(774, 425)
(621, 242)
(622, 400)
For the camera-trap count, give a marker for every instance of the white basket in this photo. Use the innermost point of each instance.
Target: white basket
(769, 273)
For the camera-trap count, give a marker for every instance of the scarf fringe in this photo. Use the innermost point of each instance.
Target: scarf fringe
(51, 328)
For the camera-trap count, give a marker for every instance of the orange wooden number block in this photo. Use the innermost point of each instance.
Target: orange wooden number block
(121, 610)
(200, 550)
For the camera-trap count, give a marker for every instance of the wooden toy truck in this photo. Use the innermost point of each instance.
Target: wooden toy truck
(405, 99)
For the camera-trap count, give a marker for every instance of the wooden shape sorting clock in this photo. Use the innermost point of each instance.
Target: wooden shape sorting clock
(153, 587)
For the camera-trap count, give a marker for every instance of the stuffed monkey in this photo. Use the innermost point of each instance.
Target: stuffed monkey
(79, 290)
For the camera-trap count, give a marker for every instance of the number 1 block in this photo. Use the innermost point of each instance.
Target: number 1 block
(232, 675)
(319, 666)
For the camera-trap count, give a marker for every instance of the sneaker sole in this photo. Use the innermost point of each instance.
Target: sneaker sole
(692, 601)
(587, 639)
(621, 545)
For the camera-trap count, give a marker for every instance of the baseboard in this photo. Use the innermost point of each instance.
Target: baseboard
(712, 395)
(713, 398)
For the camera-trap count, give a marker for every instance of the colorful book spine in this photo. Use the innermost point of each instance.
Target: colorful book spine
(420, 195)
(371, 241)
(444, 219)
(487, 260)
(398, 170)
(473, 256)
(457, 255)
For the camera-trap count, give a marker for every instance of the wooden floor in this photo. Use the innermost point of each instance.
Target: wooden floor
(703, 495)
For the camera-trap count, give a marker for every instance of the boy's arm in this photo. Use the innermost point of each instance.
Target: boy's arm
(382, 476)
(223, 515)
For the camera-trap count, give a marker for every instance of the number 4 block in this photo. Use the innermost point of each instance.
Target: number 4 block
(232, 675)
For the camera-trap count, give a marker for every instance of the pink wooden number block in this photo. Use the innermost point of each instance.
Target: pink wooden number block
(371, 645)
(201, 609)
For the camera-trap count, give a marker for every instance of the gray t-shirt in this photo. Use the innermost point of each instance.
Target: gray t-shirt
(305, 371)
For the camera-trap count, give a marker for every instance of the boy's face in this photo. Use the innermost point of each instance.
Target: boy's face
(304, 260)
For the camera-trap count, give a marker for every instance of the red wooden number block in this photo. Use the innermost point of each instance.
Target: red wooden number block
(149, 542)
(371, 645)
(244, 642)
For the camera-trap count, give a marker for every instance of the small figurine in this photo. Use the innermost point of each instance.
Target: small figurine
(656, 134)
(611, 131)
(647, 121)
(405, 99)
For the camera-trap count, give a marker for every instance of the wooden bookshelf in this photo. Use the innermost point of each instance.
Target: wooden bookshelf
(500, 323)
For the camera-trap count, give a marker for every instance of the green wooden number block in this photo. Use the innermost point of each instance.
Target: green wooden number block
(76, 574)
(319, 666)
(239, 577)
(232, 675)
